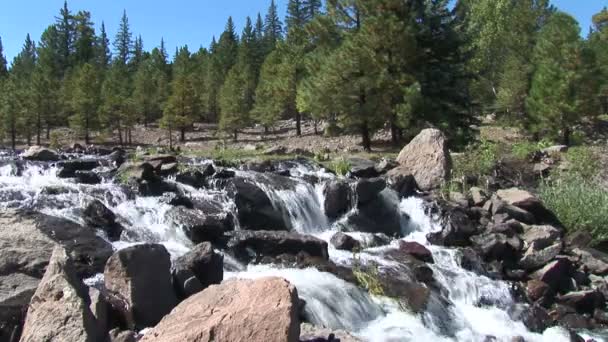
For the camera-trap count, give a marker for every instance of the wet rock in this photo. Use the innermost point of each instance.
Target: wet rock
(540, 236)
(87, 177)
(311, 333)
(402, 181)
(568, 318)
(337, 198)
(140, 277)
(202, 263)
(380, 215)
(40, 153)
(414, 296)
(26, 247)
(471, 261)
(69, 168)
(59, 309)
(368, 189)
(249, 246)
(535, 318)
(180, 201)
(139, 172)
(583, 301)
(592, 260)
(260, 310)
(224, 174)
(118, 157)
(345, 242)
(495, 246)
(255, 209)
(362, 168)
(385, 165)
(378, 240)
(16, 291)
(195, 179)
(478, 196)
(116, 335)
(428, 159)
(555, 274)
(168, 169)
(416, 250)
(97, 215)
(536, 289)
(200, 226)
(535, 258)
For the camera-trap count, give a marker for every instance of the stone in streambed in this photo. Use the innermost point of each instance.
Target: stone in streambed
(345, 242)
(197, 270)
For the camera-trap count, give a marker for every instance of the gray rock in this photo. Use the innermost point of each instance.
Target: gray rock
(40, 153)
(202, 263)
(368, 189)
(592, 260)
(535, 258)
(16, 290)
(478, 196)
(540, 236)
(309, 332)
(345, 242)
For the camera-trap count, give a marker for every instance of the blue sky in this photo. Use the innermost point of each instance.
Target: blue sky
(179, 22)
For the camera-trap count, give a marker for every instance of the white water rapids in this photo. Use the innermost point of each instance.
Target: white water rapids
(330, 301)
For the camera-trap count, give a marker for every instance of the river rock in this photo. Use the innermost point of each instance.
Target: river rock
(494, 246)
(249, 246)
(478, 196)
(16, 290)
(87, 177)
(337, 198)
(428, 159)
(579, 238)
(200, 226)
(59, 309)
(40, 153)
(535, 318)
(312, 333)
(26, 247)
(255, 209)
(116, 335)
(402, 181)
(512, 212)
(368, 189)
(380, 215)
(416, 250)
(457, 227)
(345, 242)
(198, 269)
(140, 277)
(536, 289)
(583, 301)
(259, 310)
(97, 215)
(592, 260)
(540, 236)
(194, 178)
(528, 202)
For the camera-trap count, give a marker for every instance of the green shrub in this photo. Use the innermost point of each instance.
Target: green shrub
(582, 162)
(367, 276)
(55, 140)
(579, 203)
(341, 166)
(478, 159)
(522, 150)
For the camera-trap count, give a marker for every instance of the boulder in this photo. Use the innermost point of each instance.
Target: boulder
(583, 301)
(535, 257)
(428, 159)
(380, 215)
(97, 215)
(556, 274)
(535, 318)
(248, 246)
(100, 308)
(312, 333)
(385, 165)
(337, 198)
(69, 168)
(362, 168)
(200, 226)
(536, 289)
(555, 150)
(402, 181)
(195, 179)
(367, 189)
(168, 169)
(528, 202)
(59, 309)
(40, 153)
(579, 238)
(139, 172)
(255, 209)
(197, 270)
(140, 277)
(16, 291)
(345, 242)
(116, 335)
(87, 177)
(259, 310)
(416, 250)
(495, 246)
(540, 236)
(511, 212)
(26, 247)
(457, 227)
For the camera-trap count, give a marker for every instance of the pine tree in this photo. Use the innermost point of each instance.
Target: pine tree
(115, 94)
(3, 67)
(84, 39)
(180, 107)
(138, 53)
(598, 42)
(311, 9)
(23, 68)
(104, 55)
(66, 31)
(270, 103)
(273, 27)
(85, 101)
(227, 47)
(232, 102)
(552, 101)
(123, 43)
(10, 109)
(296, 16)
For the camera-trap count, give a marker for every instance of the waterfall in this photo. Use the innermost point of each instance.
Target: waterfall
(472, 306)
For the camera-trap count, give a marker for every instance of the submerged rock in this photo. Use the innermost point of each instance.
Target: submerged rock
(139, 277)
(59, 309)
(428, 159)
(97, 215)
(312, 333)
(200, 226)
(197, 270)
(259, 310)
(337, 198)
(345, 242)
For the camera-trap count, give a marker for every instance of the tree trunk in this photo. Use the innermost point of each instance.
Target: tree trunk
(170, 138)
(298, 123)
(266, 130)
(182, 137)
(13, 137)
(236, 137)
(86, 131)
(119, 135)
(367, 143)
(38, 129)
(316, 124)
(566, 132)
(394, 131)
(48, 131)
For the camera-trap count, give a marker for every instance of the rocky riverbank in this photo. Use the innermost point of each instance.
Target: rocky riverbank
(114, 245)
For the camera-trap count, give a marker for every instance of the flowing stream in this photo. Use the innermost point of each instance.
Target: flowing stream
(330, 301)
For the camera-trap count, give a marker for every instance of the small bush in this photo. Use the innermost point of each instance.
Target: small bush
(582, 162)
(367, 276)
(55, 140)
(341, 166)
(522, 150)
(478, 159)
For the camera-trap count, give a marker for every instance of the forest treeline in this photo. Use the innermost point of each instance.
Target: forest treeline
(357, 64)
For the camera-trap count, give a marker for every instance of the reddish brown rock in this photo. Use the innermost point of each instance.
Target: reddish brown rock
(237, 310)
(536, 289)
(416, 250)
